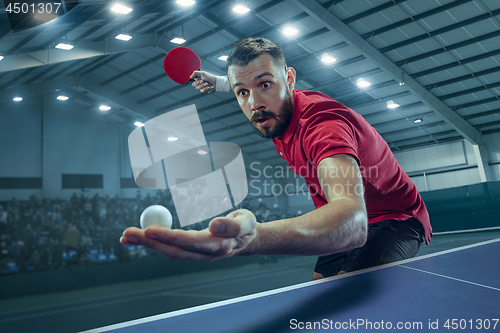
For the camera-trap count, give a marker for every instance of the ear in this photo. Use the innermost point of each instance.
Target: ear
(290, 78)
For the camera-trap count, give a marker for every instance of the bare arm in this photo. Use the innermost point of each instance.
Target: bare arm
(338, 226)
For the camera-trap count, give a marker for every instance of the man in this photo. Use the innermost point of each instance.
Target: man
(368, 212)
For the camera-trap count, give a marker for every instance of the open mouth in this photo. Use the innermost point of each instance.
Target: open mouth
(262, 121)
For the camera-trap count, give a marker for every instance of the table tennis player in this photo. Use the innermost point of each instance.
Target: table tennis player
(368, 211)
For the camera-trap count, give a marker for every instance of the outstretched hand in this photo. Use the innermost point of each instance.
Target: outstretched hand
(224, 237)
(207, 79)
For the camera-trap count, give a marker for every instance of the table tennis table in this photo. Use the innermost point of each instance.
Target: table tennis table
(453, 290)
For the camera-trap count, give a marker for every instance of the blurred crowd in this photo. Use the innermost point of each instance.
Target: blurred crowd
(48, 234)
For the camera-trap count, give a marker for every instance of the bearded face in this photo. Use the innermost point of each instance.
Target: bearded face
(264, 89)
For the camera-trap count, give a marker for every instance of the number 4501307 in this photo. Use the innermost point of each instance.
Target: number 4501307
(478, 324)
(32, 8)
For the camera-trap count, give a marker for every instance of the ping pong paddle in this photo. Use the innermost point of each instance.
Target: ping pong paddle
(180, 63)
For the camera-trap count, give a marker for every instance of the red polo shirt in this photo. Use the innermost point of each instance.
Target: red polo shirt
(322, 127)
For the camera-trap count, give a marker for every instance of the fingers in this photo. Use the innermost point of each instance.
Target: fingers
(202, 86)
(177, 253)
(131, 236)
(236, 224)
(198, 82)
(206, 82)
(224, 237)
(178, 244)
(194, 241)
(206, 87)
(225, 227)
(201, 242)
(196, 74)
(233, 227)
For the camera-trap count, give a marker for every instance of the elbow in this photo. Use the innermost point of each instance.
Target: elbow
(360, 229)
(361, 240)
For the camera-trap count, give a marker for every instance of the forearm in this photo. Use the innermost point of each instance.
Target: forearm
(339, 226)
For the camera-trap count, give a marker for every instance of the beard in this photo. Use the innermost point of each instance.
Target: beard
(282, 120)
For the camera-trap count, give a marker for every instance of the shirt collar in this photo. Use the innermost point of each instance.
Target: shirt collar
(287, 135)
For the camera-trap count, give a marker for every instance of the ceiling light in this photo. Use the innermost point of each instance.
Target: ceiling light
(241, 9)
(416, 121)
(17, 99)
(290, 31)
(328, 59)
(1, 57)
(392, 105)
(202, 152)
(105, 108)
(124, 37)
(178, 40)
(186, 3)
(138, 124)
(64, 46)
(223, 58)
(362, 83)
(121, 9)
(172, 138)
(62, 98)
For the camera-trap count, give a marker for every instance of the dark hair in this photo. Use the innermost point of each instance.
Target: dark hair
(250, 48)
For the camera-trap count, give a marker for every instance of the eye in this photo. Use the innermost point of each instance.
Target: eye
(266, 84)
(242, 92)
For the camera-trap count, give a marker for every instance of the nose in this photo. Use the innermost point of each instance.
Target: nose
(256, 102)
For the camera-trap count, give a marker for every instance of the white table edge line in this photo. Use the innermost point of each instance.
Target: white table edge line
(451, 278)
(277, 291)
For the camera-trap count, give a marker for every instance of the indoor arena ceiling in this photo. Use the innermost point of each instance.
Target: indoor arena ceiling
(439, 60)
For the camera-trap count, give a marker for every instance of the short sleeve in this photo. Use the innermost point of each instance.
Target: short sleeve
(326, 136)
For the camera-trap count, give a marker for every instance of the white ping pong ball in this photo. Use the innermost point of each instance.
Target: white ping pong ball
(156, 214)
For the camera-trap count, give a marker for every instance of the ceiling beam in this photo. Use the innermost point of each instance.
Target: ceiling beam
(132, 108)
(415, 18)
(371, 11)
(457, 63)
(463, 78)
(317, 11)
(37, 88)
(449, 48)
(458, 25)
(82, 51)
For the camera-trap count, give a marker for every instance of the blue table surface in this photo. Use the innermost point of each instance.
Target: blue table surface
(463, 284)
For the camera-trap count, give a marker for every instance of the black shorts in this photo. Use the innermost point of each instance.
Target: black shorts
(387, 241)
